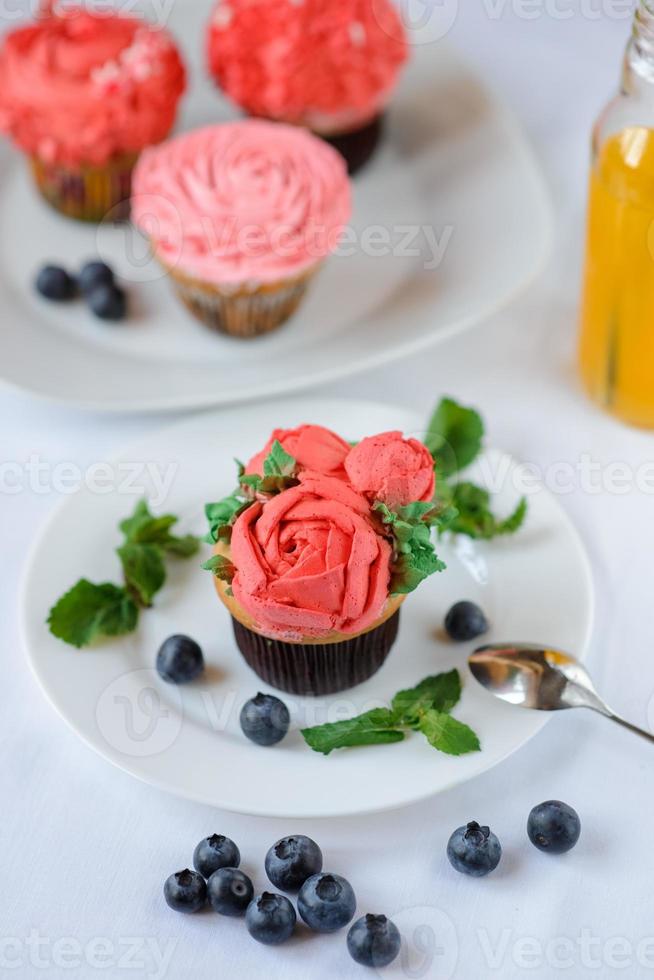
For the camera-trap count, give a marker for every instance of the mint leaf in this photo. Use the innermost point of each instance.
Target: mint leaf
(376, 727)
(144, 528)
(143, 569)
(278, 462)
(221, 567)
(447, 734)
(440, 692)
(475, 518)
(454, 436)
(88, 611)
(182, 547)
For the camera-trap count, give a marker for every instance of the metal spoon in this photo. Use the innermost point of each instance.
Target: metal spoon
(539, 677)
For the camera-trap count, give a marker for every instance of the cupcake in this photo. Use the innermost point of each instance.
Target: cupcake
(82, 94)
(314, 554)
(329, 65)
(241, 216)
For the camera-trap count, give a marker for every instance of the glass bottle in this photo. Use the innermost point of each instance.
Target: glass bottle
(616, 350)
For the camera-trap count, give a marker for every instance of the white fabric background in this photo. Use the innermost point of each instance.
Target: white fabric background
(84, 849)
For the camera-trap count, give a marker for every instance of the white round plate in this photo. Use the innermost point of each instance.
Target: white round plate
(535, 586)
(455, 174)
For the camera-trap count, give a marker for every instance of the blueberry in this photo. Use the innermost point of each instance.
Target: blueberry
(265, 719)
(465, 621)
(270, 919)
(291, 861)
(230, 891)
(185, 891)
(474, 850)
(554, 826)
(55, 283)
(108, 302)
(95, 274)
(179, 660)
(374, 941)
(326, 902)
(215, 852)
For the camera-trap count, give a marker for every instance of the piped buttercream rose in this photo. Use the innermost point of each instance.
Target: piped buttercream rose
(309, 560)
(250, 202)
(392, 469)
(313, 448)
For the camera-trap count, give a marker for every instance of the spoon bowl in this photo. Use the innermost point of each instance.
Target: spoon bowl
(541, 678)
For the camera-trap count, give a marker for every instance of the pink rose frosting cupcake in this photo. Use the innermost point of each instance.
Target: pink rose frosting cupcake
(330, 65)
(312, 568)
(82, 94)
(242, 215)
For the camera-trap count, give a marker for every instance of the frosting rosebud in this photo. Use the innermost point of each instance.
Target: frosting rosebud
(309, 561)
(392, 469)
(313, 448)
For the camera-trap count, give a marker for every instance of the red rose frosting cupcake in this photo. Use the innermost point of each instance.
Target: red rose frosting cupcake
(82, 94)
(242, 215)
(312, 570)
(330, 65)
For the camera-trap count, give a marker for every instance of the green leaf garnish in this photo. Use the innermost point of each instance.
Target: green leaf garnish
(144, 528)
(88, 611)
(424, 708)
(454, 436)
(475, 518)
(376, 727)
(143, 569)
(221, 567)
(440, 692)
(447, 734)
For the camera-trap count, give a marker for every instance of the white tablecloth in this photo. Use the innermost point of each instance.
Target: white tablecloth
(84, 849)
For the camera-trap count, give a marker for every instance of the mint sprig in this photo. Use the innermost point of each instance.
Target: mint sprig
(455, 438)
(425, 708)
(279, 474)
(89, 611)
(474, 517)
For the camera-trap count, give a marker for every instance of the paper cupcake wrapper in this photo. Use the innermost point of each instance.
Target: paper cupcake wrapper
(317, 669)
(88, 193)
(358, 146)
(242, 313)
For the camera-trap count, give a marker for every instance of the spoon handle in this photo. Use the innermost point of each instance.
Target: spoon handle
(627, 724)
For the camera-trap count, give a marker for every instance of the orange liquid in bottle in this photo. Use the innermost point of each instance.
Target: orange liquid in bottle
(616, 353)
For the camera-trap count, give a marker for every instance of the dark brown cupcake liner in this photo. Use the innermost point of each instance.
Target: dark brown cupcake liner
(88, 193)
(317, 668)
(241, 314)
(358, 146)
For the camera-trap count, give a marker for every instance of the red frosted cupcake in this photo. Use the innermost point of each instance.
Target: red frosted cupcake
(82, 95)
(315, 553)
(330, 65)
